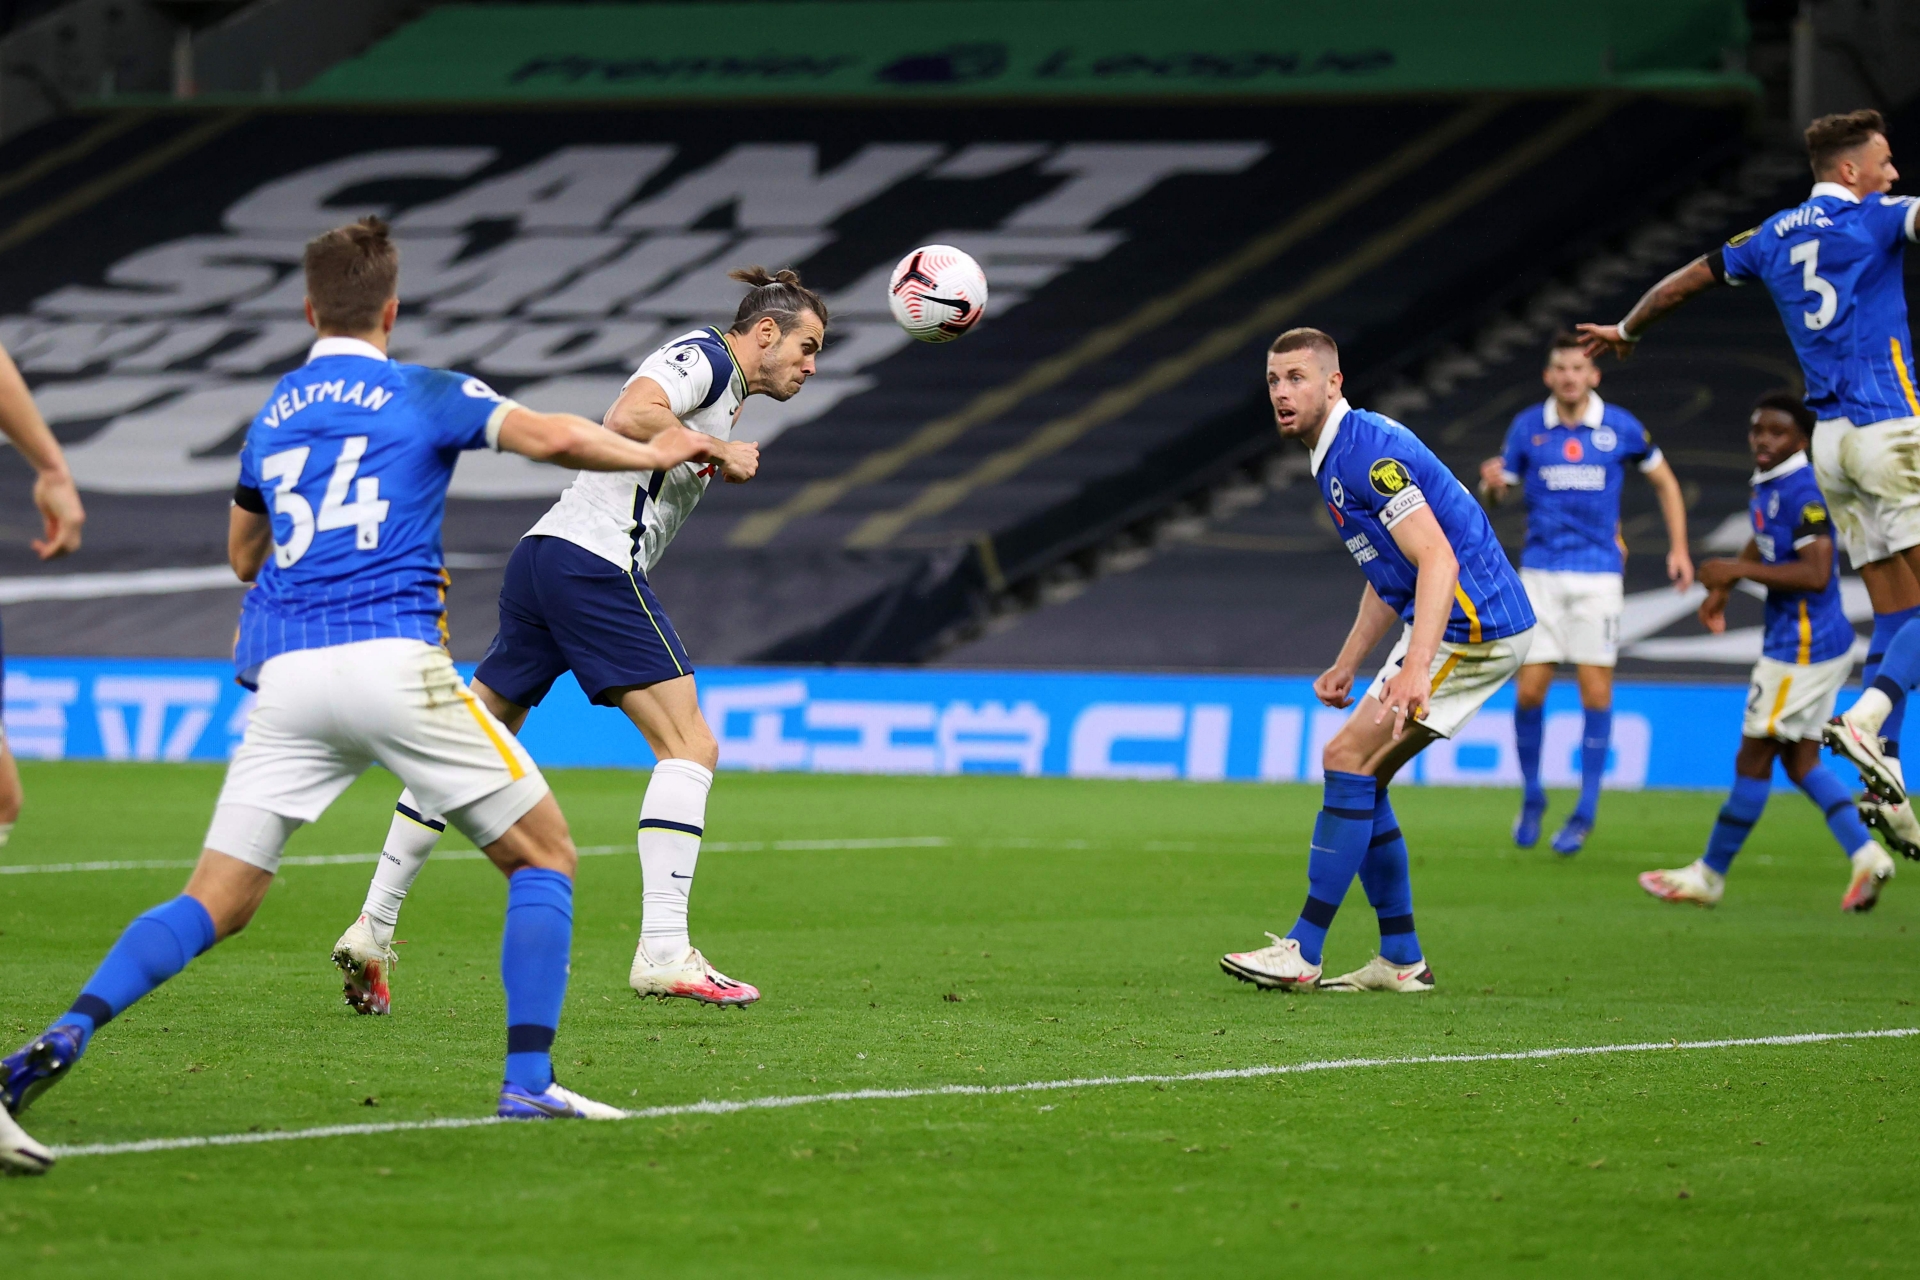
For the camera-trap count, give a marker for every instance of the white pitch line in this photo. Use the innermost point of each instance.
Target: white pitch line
(471, 855)
(724, 1108)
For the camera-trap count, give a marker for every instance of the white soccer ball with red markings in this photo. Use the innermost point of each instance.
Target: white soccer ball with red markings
(937, 293)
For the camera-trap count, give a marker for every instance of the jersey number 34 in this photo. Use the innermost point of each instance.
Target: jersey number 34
(365, 513)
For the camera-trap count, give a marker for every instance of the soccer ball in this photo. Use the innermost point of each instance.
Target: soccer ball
(937, 293)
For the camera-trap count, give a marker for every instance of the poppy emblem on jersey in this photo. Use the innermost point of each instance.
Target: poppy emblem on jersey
(1604, 439)
(1759, 523)
(1389, 476)
(1813, 513)
(1572, 451)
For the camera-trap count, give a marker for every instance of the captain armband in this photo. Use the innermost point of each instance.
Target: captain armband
(247, 498)
(1401, 505)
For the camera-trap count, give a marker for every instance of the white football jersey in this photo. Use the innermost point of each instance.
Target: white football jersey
(629, 517)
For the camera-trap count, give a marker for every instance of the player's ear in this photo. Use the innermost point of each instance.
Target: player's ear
(312, 321)
(390, 314)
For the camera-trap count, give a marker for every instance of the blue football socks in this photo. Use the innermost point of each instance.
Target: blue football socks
(1383, 873)
(1737, 816)
(1340, 838)
(1529, 727)
(1886, 626)
(152, 949)
(1595, 742)
(1886, 631)
(534, 954)
(1831, 795)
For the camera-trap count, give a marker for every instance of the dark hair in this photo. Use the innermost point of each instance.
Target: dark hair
(1790, 404)
(1830, 136)
(779, 295)
(1565, 340)
(352, 272)
(1307, 340)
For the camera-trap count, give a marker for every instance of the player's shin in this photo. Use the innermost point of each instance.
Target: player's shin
(1340, 837)
(1833, 799)
(410, 839)
(155, 947)
(1529, 728)
(673, 816)
(535, 950)
(1383, 874)
(1595, 744)
(1885, 627)
(1742, 809)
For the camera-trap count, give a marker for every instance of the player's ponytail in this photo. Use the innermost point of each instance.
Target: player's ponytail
(778, 295)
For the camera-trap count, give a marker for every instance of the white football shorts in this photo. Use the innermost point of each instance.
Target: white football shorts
(1577, 616)
(1789, 702)
(1464, 677)
(1871, 484)
(324, 715)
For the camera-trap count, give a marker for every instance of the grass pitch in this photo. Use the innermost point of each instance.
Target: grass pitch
(1067, 929)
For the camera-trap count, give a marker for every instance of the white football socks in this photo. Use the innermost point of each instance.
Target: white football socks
(1871, 710)
(672, 818)
(6, 833)
(409, 840)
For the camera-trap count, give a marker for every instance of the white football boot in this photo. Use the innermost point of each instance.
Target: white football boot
(366, 966)
(1382, 974)
(1696, 882)
(1872, 868)
(1894, 821)
(19, 1152)
(1279, 966)
(689, 978)
(1856, 735)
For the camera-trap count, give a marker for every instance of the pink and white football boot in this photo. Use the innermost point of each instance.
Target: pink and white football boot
(689, 978)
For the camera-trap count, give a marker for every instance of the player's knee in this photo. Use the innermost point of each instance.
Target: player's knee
(701, 747)
(1342, 755)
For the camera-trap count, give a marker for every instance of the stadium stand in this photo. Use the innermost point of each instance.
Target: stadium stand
(1257, 577)
(1140, 258)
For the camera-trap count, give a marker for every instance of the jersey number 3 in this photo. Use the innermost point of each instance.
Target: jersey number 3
(1808, 256)
(366, 513)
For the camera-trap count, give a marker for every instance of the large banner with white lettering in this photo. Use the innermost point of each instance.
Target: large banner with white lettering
(1196, 728)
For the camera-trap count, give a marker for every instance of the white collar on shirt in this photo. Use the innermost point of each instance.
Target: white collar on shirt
(1335, 416)
(345, 347)
(1794, 462)
(1589, 417)
(1835, 190)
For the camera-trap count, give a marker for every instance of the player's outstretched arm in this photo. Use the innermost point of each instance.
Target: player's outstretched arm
(1420, 537)
(567, 440)
(1673, 510)
(1696, 277)
(53, 490)
(1370, 627)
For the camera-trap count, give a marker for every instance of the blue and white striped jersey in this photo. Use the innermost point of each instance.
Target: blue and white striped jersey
(1572, 477)
(352, 455)
(1834, 266)
(1788, 511)
(1373, 472)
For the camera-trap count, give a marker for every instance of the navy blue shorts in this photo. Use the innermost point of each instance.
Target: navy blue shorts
(562, 608)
